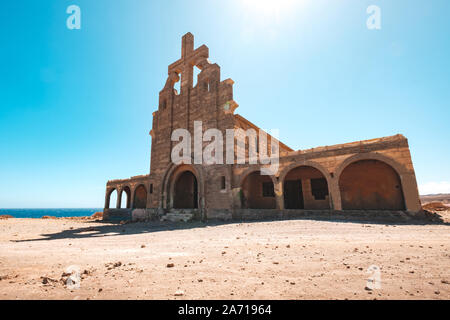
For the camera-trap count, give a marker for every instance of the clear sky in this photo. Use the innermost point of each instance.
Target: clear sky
(76, 105)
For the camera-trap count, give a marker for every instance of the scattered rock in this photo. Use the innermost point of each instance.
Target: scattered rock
(170, 265)
(97, 215)
(47, 280)
(112, 265)
(435, 206)
(179, 293)
(49, 218)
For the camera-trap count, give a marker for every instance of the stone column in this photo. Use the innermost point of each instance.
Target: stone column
(411, 192)
(279, 195)
(335, 194)
(107, 197)
(119, 199)
(132, 191)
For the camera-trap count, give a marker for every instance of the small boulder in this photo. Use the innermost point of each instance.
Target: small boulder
(179, 293)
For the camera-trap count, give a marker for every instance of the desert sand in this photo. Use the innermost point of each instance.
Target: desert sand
(297, 259)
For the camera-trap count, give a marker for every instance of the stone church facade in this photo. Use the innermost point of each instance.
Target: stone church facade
(366, 176)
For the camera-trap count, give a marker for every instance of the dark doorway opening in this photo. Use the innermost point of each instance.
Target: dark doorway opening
(293, 195)
(186, 191)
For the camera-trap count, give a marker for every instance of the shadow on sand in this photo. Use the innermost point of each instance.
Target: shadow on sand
(108, 229)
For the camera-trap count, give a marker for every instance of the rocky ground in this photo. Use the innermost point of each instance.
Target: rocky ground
(299, 259)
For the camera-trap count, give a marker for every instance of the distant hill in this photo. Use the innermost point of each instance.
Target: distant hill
(444, 198)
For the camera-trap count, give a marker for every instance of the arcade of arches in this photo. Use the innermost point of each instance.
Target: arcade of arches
(363, 185)
(368, 184)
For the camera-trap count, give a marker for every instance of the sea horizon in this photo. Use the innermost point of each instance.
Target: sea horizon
(37, 213)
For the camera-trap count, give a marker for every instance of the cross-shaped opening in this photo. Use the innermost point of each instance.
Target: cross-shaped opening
(177, 85)
(186, 66)
(196, 73)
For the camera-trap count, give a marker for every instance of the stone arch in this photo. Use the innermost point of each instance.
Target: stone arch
(313, 164)
(140, 197)
(169, 180)
(306, 185)
(185, 191)
(251, 170)
(108, 199)
(401, 170)
(257, 191)
(127, 191)
(371, 182)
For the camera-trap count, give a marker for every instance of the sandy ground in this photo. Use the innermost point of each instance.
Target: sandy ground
(301, 259)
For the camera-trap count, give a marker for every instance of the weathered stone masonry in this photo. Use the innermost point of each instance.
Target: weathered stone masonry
(367, 175)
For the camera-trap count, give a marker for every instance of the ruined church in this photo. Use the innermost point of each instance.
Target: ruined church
(365, 176)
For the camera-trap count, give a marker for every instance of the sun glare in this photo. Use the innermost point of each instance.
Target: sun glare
(269, 7)
(267, 17)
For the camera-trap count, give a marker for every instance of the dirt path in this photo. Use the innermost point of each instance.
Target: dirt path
(301, 259)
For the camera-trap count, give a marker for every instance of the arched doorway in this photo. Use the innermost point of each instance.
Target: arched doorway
(140, 197)
(257, 192)
(186, 191)
(126, 198)
(305, 187)
(371, 185)
(112, 199)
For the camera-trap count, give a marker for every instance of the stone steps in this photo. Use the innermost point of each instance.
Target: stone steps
(179, 215)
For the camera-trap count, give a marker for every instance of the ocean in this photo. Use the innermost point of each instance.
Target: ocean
(39, 213)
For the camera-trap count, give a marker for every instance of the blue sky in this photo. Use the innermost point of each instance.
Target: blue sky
(76, 105)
